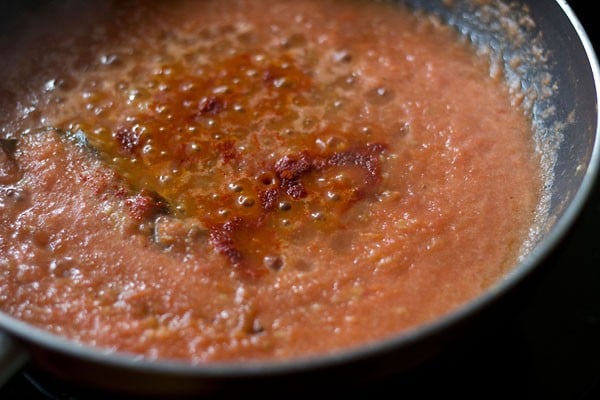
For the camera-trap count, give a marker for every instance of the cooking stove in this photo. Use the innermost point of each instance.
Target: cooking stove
(547, 347)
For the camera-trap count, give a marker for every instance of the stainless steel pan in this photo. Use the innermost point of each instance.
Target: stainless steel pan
(551, 44)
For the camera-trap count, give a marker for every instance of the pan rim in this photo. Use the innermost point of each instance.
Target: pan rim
(23, 331)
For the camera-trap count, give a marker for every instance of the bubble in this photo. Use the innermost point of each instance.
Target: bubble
(379, 96)
(273, 262)
(65, 82)
(294, 40)
(344, 82)
(50, 85)
(221, 89)
(342, 177)
(99, 111)
(164, 179)
(12, 194)
(333, 143)
(100, 131)
(62, 268)
(280, 82)
(235, 187)
(110, 59)
(340, 56)
(192, 147)
(317, 215)
(285, 206)
(267, 179)
(147, 149)
(401, 129)
(187, 86)
(87, 94)
(308, 123)
(333, 196)
(161, 109)
(245, 201)
(132, 94)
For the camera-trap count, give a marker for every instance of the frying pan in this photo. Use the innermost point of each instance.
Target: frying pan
(551, 44)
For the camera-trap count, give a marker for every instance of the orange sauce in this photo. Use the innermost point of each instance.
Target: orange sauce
(261, 180)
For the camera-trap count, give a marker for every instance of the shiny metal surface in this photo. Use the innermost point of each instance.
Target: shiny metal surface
(573, 66)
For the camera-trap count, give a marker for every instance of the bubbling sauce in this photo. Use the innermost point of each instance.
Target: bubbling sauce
(251, 180)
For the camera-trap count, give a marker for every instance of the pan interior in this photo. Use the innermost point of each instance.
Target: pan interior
(544, 61)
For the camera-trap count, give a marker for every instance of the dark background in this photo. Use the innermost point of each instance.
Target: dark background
(547, 346)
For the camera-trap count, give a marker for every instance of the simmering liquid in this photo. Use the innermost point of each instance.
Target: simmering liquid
(242, 180)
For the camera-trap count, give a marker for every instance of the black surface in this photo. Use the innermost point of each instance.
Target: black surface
(547, 347)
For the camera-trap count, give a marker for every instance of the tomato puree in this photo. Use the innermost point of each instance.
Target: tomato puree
(250, 180)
